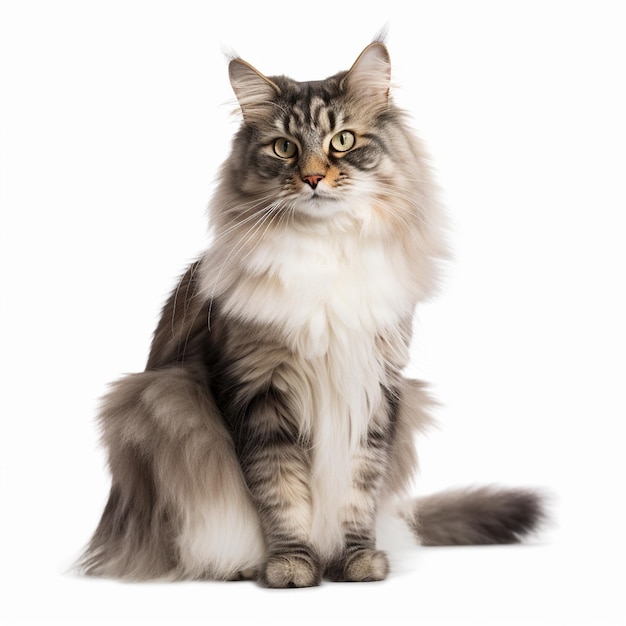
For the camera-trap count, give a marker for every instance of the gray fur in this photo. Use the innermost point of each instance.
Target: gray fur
(475, 516)
(272, 422)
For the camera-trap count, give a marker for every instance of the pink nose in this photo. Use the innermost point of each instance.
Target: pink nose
(312, 180)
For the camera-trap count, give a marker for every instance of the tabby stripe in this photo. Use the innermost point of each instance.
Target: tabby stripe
(316, 113)
(331, 119)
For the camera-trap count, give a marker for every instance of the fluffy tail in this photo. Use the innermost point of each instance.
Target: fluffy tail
(476, 516)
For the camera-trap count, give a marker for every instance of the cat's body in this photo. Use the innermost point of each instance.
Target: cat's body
(273, 423)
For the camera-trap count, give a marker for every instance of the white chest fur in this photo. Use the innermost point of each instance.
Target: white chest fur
(313, 287)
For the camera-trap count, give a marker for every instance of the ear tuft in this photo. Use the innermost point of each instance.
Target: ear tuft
(370, 75)
(253, 90)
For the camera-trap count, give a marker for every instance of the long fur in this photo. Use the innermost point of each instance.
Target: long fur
(273, 423)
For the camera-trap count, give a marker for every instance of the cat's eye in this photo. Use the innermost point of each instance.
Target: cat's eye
(285, 149)
(343, 141)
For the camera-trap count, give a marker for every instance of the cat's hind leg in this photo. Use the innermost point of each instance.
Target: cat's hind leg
(179, 506)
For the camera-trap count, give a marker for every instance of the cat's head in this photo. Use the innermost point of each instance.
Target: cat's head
(319, 148)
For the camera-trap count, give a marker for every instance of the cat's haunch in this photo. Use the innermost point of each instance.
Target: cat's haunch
(273, 423)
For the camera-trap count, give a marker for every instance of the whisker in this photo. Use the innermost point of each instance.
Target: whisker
(254, 207)
(263, 216)
(186, 297)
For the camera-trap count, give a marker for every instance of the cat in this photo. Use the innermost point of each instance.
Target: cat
(273, 424)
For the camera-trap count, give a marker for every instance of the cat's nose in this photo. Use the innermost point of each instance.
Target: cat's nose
(312, 180)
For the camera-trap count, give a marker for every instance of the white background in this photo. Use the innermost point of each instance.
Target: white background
(114, 119)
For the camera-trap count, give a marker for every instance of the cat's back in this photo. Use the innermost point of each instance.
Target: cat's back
(180, 335)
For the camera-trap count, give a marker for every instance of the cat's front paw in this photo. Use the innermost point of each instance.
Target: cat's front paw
(291, 570)
(366, 565)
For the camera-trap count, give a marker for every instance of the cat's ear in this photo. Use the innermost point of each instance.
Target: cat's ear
(370, 75)
(253, 90)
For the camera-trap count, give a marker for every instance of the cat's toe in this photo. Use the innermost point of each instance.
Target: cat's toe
(288, 570)
(365, 566)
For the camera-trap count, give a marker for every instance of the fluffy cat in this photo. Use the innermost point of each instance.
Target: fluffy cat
(272, 423)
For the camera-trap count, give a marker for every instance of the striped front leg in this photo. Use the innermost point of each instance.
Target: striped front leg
(359, 560)
(276, 464)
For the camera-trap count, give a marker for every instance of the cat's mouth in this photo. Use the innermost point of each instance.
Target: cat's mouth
(320, 202)
(320, 193)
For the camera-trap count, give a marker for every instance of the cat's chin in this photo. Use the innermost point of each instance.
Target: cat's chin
(321, 207)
